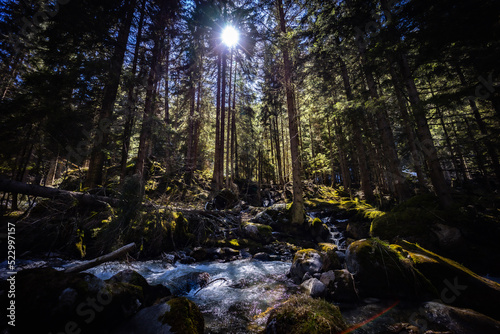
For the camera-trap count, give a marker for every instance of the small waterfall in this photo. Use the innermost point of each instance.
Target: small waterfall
(336, 237)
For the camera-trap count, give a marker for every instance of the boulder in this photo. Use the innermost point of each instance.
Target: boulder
(199, 254)
(263, 218)
(258, 232)
(183, 284)
(358, 229)
(178, 315)
(456, 284)
(380, 271)
(331, 260)
(56, 301)
(151, 292)
(305, 315)
(340, 286)
(460, 321)
(448, 236)
(305, 261)
(318, 230)
(261, 256)
(225, 199)
(314, 287)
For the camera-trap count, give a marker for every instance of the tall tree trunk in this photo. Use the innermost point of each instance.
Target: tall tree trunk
(49, 181)
(191, 129)
(149, 106)
(358, 138)
(482, 128)
(430, 153)
(405, 117)
(297, 209)
(131, 98)
(216, 173)
(234, 140)
(278, 150)
(388, 142)
(459, 168)
(229, 114)
(285, 152)
(346, 176)
(94, 175)
(330, 148)
(222, 118)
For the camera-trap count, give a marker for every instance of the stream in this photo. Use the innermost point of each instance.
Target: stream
(241, 289)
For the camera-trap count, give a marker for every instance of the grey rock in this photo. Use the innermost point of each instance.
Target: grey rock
(459, 320)
(314, 287)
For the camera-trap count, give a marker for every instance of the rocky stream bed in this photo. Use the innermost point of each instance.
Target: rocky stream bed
(323, 281)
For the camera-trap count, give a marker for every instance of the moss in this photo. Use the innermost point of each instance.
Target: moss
(234, 243)
(80, 245)
(321, 204)
(304, 315)
(330, 258)
(413, 220)
(316, 221)
(327, 247)
(184, 316)
(304, 254)
(385, 272)
(455, 282)
(266, 229)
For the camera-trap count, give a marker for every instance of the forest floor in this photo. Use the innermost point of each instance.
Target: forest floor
(190, 224)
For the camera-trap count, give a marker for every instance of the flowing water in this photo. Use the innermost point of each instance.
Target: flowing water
(240, 292)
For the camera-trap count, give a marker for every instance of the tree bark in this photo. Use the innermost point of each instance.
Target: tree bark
(101, 259)
(97, 157)
(430, 153)
(11, 186)
(216, 173)
(482, 128)
(358, 138)
(405, 117)
(388, 142)
(297, 209)
(131, 99)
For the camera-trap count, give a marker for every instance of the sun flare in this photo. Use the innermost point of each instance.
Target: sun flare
(230, 36)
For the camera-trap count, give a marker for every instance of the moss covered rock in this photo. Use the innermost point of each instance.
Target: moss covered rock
(305, 261)
(52, 299)
(331, 260)
(258, 232)
(456, 284)
(151, 293)
(421, 220)
(318, 230)
(178, 315)
(304, 315)
(184, 316)
(380, 271)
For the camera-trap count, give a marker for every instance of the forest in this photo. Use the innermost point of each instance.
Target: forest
(250, 166)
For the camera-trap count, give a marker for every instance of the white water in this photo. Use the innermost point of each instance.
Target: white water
(336, 237)
(230, 305)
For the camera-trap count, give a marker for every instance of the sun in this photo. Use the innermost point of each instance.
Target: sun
(230, 36)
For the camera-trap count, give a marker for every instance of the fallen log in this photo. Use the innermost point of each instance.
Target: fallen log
(10, 186)
(101, 259)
